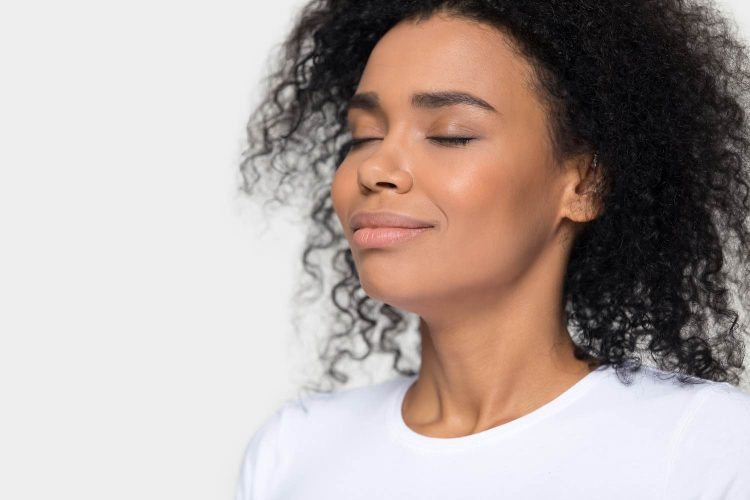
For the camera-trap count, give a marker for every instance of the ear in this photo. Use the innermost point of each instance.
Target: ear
(584, 188)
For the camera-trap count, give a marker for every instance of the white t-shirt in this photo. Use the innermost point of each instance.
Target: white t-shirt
(600, 439)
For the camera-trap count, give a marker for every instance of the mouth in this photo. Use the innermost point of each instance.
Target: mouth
(387, 220)
(382, 237)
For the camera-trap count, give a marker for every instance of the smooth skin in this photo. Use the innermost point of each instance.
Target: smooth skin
(486, 281)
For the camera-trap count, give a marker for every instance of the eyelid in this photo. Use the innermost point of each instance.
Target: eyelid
(453, 141)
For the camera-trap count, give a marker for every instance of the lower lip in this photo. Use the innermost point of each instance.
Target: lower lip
(380, 237)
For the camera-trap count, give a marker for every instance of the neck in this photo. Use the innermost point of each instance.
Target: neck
(491, 357)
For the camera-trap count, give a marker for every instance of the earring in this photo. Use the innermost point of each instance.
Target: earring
(595, 161)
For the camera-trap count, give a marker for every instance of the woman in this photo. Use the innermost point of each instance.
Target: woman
(549, 188)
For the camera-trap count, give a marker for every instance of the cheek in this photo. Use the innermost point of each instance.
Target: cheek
(496, 217)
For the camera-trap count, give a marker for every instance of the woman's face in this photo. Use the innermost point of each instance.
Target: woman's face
(495, 202)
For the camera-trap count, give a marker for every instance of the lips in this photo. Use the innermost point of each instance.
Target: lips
(386, 219)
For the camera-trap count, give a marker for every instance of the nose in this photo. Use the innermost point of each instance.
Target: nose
(386, 167)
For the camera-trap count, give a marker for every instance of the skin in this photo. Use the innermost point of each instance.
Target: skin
(486, 281)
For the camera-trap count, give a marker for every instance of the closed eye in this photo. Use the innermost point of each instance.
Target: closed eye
(450, 141)
(453, 141)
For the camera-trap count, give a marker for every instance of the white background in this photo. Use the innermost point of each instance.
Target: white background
(144, 322)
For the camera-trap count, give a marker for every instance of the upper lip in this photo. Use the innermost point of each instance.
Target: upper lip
(385, 219)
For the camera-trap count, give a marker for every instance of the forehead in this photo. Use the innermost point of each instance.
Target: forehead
(445, 52)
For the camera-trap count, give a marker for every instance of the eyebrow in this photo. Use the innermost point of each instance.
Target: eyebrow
(370, 101)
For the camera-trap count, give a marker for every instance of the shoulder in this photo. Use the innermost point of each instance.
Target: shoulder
(710, 450)
(260, 458)
(300, 426)
(702, 411)
(657, 392)
(698, 429)
(720, 414)
(336, 416)
(725, 403)
(650, 400)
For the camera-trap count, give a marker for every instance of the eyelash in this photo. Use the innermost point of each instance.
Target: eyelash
(452, 141)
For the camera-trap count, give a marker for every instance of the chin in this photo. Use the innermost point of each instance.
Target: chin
(406, 300)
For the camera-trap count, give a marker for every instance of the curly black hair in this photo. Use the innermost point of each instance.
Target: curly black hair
(658, 87)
